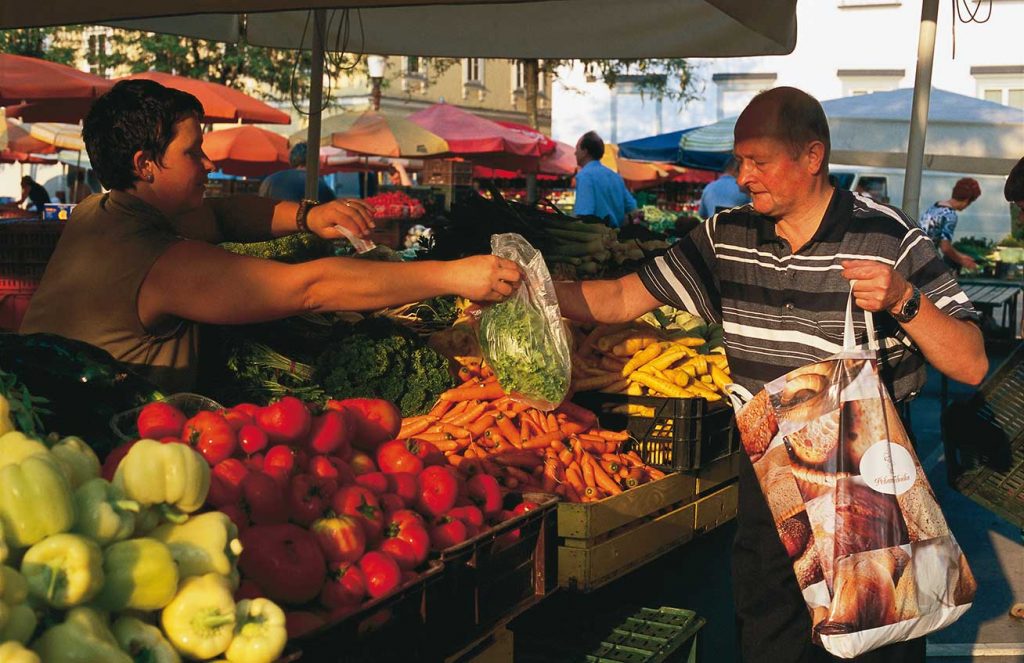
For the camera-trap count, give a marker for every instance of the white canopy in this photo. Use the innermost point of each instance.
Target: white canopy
(965, 135)
(470, 28)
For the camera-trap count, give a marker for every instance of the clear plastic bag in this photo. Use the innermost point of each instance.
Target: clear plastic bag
(523, 338)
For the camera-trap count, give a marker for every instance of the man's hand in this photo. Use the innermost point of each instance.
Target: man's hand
(355, 215)
(967, 262)
(484, 278)
(878, 286)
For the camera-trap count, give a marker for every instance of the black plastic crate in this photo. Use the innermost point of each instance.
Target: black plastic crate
(385, 630)
(683, 434)
(494, 576)
(626, 635)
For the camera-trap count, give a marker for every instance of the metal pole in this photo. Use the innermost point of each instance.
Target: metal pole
(316, 94)
(919, 110)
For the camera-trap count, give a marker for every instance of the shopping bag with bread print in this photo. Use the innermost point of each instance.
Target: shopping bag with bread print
(870, 547)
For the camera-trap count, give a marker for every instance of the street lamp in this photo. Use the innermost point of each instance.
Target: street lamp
(375, 64)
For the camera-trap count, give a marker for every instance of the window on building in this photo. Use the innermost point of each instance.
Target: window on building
(736, 90)
(414, 66)
(865, 81)
(518, 77)
(1001, 83)
(97, 47)
(473, 70)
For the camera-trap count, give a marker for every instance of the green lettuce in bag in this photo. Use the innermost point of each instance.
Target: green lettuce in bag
(523, 338)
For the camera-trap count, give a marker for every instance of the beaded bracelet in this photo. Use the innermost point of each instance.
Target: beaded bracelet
(302, 212)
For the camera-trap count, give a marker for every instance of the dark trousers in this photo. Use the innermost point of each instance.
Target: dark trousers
(772, 620)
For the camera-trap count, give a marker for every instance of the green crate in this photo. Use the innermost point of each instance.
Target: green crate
(630, 635)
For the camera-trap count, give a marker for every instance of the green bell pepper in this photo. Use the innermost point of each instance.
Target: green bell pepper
(143, 642)
(14, 652)
(16, 446)
(140, 574)
(103, 513)
(260, 632)
(21, 624)
(207, 543)
(64, 570)
(172, 475)
(149, 519)
(18, 620)
(200, 620)
(83, 637)
(79, 459)
(35, 501)
(4, 551)
(13, 586)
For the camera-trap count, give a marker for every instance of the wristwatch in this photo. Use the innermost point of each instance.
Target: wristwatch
(910, 307)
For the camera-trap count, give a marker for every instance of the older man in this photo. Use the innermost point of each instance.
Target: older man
(777, 274)
(600, 191)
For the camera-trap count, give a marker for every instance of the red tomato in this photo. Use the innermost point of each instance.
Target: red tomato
(389, 503)
(309, 497)
(341, 539)
(237, 418)
(301, 622)
(447, 532)
(375, 420)
(427, 452)
(284, 560)
(157, 420)
(113, 459)
(406, 539)
(254, 462)
(211, 435)
(375, 481)
(263, 499)
(226, 482)
(279, 462)
(397, 456)
(470, 515)
(381, 572)
(438, 490)
(361, 463)
(237, 516)
(286, 421)
(252, 438)
(524, 507)
(170, 439)
(362, 504)
(248, 589)
(331, 467)
(332, 433)
(485, 492)
(248, 409)
(406, 485)
(346, 586)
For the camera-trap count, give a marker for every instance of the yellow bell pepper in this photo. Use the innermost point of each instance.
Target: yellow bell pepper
(83, 637)
(200, 621)
(207, 543)
(64, 570)
(16, 446)
(6, 421)
(260, 633)
(103, 513)
(140, 574)
(14, 652)
(79, 460)
(171, 475)
(143, 641)
(35, 500)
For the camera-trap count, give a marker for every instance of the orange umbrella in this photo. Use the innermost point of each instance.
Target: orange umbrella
(40, 90)
(247, 150)
(20, 140)
(220, 102)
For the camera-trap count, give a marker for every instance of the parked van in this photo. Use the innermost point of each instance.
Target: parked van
(987, 217)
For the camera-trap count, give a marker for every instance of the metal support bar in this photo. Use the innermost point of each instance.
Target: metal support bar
(316, 95)
(919, 110)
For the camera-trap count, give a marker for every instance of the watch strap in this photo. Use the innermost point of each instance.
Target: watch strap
(910, 308)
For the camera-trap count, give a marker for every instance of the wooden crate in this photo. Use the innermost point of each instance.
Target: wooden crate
(601, 541)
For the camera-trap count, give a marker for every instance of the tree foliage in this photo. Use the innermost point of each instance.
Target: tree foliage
(43, 43)
(660, 78)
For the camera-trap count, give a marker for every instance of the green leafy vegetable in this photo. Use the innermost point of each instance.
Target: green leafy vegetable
(295, 248)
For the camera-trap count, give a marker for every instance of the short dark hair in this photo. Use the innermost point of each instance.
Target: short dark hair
(967, 188)
(592, 145)
(134, 115)
(27, 181)
(1014, 189)
(297, 156)
(799, 119)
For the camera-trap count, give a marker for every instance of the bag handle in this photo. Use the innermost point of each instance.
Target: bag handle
(849, 337)
(738, 395)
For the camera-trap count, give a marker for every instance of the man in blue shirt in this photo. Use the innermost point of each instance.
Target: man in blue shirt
(600, 191)
(723, 193)
(939, 223)
(291, 184)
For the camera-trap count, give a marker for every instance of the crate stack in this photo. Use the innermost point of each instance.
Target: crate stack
(25, 248)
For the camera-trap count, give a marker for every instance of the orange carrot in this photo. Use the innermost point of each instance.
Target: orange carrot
(610, 467)
(455, 410)
(502, 446)
(588, 471)
(413, 426)
(578, 414)
(434, 437)
(571, 495)
(470, 415)
(550, 478)
(440, 408)
(605, 482)
(508, 429)
(634, 459)
(455, 431)
(451, 445)
(635, 477)
(487, 371)
(513, 471)
(574, 477)
(654, 473)
(566, 456)
(544, 440)
(552, 422)
(556, 445)
(521, 460)
(615, 436)
(477, 428)
(474, 391)
(571, 427)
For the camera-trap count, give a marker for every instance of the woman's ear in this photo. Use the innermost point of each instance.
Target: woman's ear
(142, 164)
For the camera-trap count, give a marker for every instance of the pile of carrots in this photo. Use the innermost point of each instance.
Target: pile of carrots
(564, 452)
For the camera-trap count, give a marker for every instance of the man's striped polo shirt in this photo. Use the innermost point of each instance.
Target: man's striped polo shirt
(783, 310)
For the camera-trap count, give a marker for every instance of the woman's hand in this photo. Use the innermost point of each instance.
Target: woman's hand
(484, 278)
(355, 215)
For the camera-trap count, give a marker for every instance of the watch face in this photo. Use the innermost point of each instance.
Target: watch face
(910, 308)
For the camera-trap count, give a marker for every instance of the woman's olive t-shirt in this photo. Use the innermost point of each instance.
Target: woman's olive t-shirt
(90, 289)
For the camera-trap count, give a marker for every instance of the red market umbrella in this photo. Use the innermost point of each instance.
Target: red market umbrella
(247, 150)
(220, 103)
(470, 135)
(39, 90)
(20, 140)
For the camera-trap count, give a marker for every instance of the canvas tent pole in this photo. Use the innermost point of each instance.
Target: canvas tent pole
(316, 92)
(919, 109)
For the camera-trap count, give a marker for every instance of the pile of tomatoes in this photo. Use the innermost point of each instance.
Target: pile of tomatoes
(395, 205)
(330, 508)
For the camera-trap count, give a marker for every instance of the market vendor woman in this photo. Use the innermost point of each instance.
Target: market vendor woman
(137, 268)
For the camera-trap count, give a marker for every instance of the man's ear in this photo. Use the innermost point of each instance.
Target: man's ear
(142, 164)
(816, 157)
